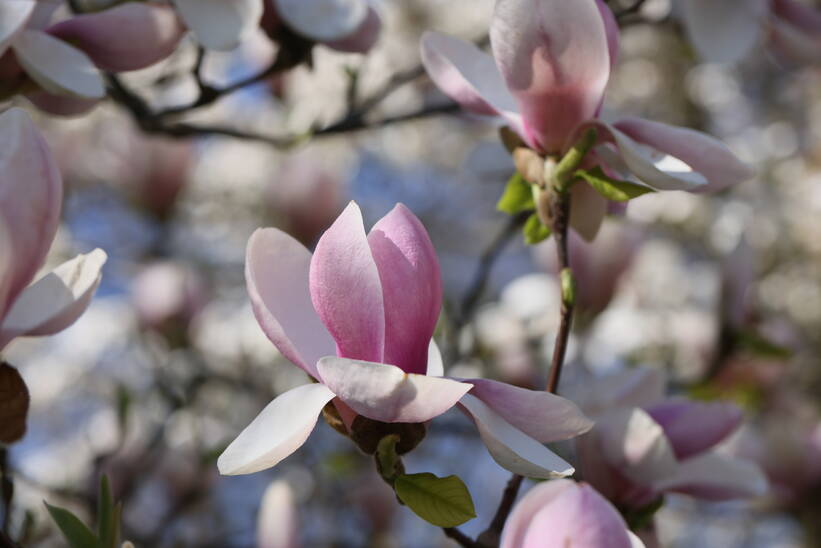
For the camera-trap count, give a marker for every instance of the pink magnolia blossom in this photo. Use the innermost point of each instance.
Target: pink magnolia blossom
(644, 445)
(63, 59)
(546, 80)
(725, 32)
(30, 199)
(358, 317)
(345, 25)
(564, 513)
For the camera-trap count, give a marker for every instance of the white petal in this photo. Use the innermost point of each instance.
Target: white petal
(323, 20)
(635, 541)
(385, 393)
(58, 67)
(635, 444)
(220, 24)
(13, 18)
(56, 300)
(279, 430)
(436, 367)
(512, 448)
(278, 519)
(716, 477)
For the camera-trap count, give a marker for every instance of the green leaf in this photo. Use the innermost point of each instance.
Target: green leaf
(518, 196)
(612, 189)
(535, 231)
(74, 530)
(757, 344)
(444, 502)
(107, 522)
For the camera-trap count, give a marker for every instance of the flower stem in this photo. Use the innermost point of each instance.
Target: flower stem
(561, 219)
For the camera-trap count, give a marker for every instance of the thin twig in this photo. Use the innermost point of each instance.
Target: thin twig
(6, 488)
(493, 533)
(460, 538)
(561, 220)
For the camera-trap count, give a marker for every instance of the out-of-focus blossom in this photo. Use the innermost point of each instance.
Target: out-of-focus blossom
(358, 317)
(63, 59)
(166, 291)
(565, 513)
(307, 196)
(644, 445)
(725, 32)
(278, 522)
(345, 25)
(30, 199)
(597, 266)
(546, 80)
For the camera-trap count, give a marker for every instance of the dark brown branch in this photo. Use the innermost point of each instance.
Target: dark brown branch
(460, 538)
(492, 535)
(561, 220)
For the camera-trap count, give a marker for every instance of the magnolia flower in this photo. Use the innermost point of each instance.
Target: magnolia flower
(565, 513)
(358, 317)
(63, 59)
(546, 80)
(725, 32)
(30, 198)
(644, 445)
(346, 25)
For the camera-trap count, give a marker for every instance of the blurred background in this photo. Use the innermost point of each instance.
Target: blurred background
(168, 365)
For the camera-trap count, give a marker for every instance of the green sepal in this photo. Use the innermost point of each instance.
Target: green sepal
(612, 189)
(535, 231)
(517, 197)
(443, 502)
(75, 531)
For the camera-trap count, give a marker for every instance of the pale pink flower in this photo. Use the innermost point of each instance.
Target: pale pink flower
(546, 80)
(63, 59)
(31, 193)
(278, 518)
(644, 445)
(567, 514)
(358, 317)
(726, 31)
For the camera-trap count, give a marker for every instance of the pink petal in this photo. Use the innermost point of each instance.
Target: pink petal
(346, 291)
(276, 274)
(220, 24)
(635, 445)
(31, 193)
(706, 155)
(578, 517)
(385, 393)
(278, 519)
(411, 287)
(637, 387)
(56, 300)
(587, 210)
(725, 31)
(13, 19)
(127, 37)
(511, 448)
(6, 267)
(61, 105)
(469, 77)
(279, 430)
(611, 27)
(554, 56)
(693, 427)
(540, 496)
(58, 67)
(363, 38)
(539, 414)
(717, 477)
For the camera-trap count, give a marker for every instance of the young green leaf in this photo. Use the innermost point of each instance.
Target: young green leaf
(612, 189)
(518, 196)
(444, 502)
(74, 530)
(106, 516)
(535, 231)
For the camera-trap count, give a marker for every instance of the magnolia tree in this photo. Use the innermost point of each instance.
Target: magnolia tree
(607, 414)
